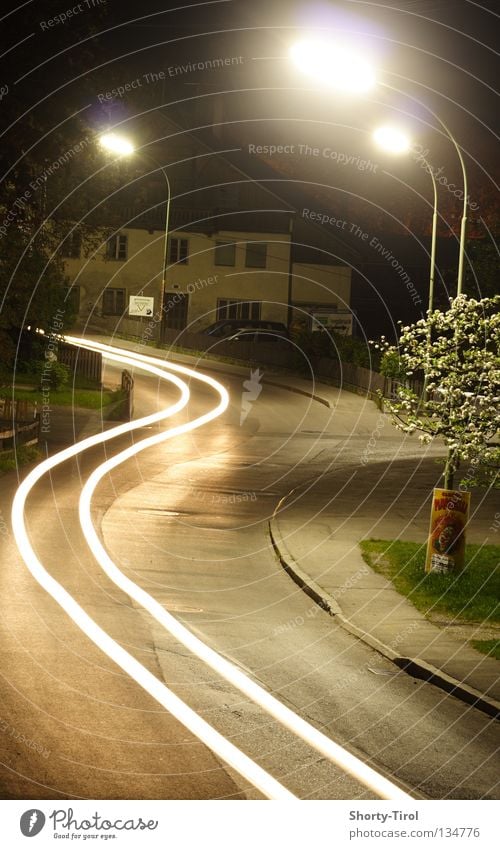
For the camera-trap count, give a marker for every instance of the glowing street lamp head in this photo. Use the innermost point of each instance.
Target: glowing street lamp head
(392, 139)
(333, 65)
(116, 144)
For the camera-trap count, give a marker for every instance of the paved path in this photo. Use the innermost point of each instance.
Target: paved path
(317, 538)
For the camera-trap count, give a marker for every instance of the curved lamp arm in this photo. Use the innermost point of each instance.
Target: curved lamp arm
(463, 224)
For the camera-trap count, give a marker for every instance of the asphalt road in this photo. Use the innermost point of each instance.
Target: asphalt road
(188, 522)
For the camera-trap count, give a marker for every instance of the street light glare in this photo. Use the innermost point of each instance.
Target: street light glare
(116, 144)
(333, 65)
(392, 139)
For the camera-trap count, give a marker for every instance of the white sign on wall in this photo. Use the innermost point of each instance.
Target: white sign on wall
(139, 305)
(339, 321)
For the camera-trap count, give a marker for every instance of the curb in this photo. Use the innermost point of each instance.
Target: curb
(233, 373)
(285, 386)
(416, 667)
(311, 395)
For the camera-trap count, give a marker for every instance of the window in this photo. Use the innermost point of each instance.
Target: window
(117, 247)
(113, 302)
(256, 255)
(242, 310)
(178, 251)
(72, 245)
(225, 253)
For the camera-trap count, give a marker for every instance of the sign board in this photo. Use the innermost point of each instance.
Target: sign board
(139, 305)
(446, 543)
(338, 321)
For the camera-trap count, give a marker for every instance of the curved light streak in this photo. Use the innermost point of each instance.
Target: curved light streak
(159, 691)
(319, 741)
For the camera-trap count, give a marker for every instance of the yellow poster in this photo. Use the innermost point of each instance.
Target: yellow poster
(446, 543)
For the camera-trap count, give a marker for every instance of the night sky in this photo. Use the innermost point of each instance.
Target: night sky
(431, 56)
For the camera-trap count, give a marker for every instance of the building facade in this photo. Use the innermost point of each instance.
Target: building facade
(209, 275)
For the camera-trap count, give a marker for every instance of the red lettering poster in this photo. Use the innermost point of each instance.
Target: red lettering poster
(446, 543)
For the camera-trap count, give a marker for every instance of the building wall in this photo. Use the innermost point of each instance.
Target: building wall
(206, 282)
(140, 273)
(324, 285)
(201, 278)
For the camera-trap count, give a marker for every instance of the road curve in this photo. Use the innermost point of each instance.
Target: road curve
(219, 744)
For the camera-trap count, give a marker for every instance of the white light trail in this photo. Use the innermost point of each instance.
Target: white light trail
(323, 744)
(250, 770)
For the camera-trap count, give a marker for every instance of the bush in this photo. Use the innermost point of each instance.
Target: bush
(52, 373)
(390, 365)
(347, 349)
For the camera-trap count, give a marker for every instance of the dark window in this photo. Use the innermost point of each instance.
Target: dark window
(113, 302)
(256, 255)
(225, 253)
(72, 299)
(178, 251)
(72, 245)
(175, 310)
(242, 310)
(117, 247)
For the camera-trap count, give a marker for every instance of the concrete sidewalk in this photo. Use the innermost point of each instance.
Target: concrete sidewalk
(316, 538)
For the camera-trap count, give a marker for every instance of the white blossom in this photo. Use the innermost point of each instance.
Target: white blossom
(459, 353)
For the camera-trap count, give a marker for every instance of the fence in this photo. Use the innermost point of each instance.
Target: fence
(81, 361)
(346, 375)
(19, 424)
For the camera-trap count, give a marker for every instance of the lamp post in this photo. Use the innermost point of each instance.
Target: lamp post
(335, 66)
(394, 140)
(122, 146)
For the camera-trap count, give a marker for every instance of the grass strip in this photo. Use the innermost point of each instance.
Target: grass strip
(469, 596)
(92, 399)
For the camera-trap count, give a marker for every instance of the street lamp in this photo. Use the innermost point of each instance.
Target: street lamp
(393, 140)
(335, 66)
(122, 146)
(116, 144)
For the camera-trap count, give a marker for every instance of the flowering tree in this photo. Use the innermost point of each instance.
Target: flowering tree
(458, 355)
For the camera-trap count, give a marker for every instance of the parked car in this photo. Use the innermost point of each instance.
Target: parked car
(225, 326)
(259, 337)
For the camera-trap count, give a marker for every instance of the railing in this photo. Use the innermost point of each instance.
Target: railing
(19, 424)
(346, 375)
(80, 361)
(17, 410)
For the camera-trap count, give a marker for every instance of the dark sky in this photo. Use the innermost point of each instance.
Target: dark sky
(434, 55)
(440, 51)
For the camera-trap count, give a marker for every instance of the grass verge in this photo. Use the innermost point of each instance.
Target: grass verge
(471, 596)
(92, 399)
(489, 647)
(13, 459)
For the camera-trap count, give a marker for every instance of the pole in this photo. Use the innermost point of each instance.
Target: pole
(433, 241)
(433, 259)
(463, 223)
(289, 316)
(165, 243)
(165, 253)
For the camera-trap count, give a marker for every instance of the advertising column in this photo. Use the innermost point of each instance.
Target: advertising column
(446, 543)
